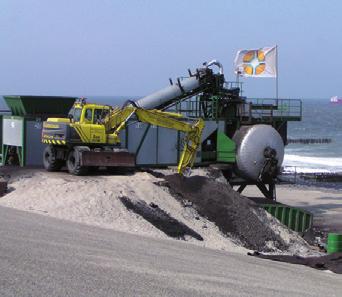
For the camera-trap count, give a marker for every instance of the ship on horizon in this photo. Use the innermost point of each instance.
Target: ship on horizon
(336, 99)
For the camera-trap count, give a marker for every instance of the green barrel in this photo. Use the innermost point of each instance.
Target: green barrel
(334, 243)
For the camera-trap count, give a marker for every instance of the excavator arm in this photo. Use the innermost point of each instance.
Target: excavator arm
(118, 118)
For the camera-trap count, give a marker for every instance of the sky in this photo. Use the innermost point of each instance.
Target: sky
(132, 48)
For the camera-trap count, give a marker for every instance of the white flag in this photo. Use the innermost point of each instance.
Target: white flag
(256, 62)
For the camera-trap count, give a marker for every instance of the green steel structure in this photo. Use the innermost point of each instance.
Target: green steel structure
(229, 106)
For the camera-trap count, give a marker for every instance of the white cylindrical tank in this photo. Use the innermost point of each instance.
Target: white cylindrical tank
(251, 143)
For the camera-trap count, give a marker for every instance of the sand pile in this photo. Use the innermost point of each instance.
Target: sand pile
(99, 200)
(202, 209)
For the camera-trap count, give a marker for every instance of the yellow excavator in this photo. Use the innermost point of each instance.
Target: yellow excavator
(90, 136)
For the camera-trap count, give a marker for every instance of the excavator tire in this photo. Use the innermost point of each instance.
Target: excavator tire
(74, 163)
(49, 159)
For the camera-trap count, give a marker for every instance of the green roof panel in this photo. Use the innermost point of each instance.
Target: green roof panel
(39, 105)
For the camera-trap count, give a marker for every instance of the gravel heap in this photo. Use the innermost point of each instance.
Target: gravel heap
(234, 214)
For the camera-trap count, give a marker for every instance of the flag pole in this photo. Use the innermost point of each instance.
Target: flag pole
(277, 94)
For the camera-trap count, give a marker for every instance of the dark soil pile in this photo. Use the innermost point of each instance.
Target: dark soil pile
(331, 262)
(160, 219)
(232, 213)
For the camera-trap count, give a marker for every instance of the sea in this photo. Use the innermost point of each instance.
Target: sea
(322, 120)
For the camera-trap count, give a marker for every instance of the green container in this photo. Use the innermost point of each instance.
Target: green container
(294, 218)
(334, 243)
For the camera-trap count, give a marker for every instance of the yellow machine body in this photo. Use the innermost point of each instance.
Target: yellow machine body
(93, 125)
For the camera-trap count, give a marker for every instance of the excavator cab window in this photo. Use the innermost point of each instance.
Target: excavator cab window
(99, 115)
(75, 114)
(88, 115)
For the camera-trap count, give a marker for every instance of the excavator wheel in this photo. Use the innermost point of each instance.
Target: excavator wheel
(73, 163)
(49, 159)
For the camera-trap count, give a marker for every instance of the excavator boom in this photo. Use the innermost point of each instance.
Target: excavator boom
(118, 118)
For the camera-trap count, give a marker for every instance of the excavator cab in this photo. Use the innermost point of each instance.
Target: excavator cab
(84, 113)
(88, 120)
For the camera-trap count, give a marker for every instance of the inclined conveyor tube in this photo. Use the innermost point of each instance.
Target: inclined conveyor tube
(163, 96)
(180, 89)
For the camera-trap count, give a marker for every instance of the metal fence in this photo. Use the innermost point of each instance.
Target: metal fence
(286, 109)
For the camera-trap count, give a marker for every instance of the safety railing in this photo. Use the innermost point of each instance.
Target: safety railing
(255, 108)
(289, 109)
(194, 108)
(234, 84)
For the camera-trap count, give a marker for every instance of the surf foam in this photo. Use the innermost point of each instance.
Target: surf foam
(309, 164)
